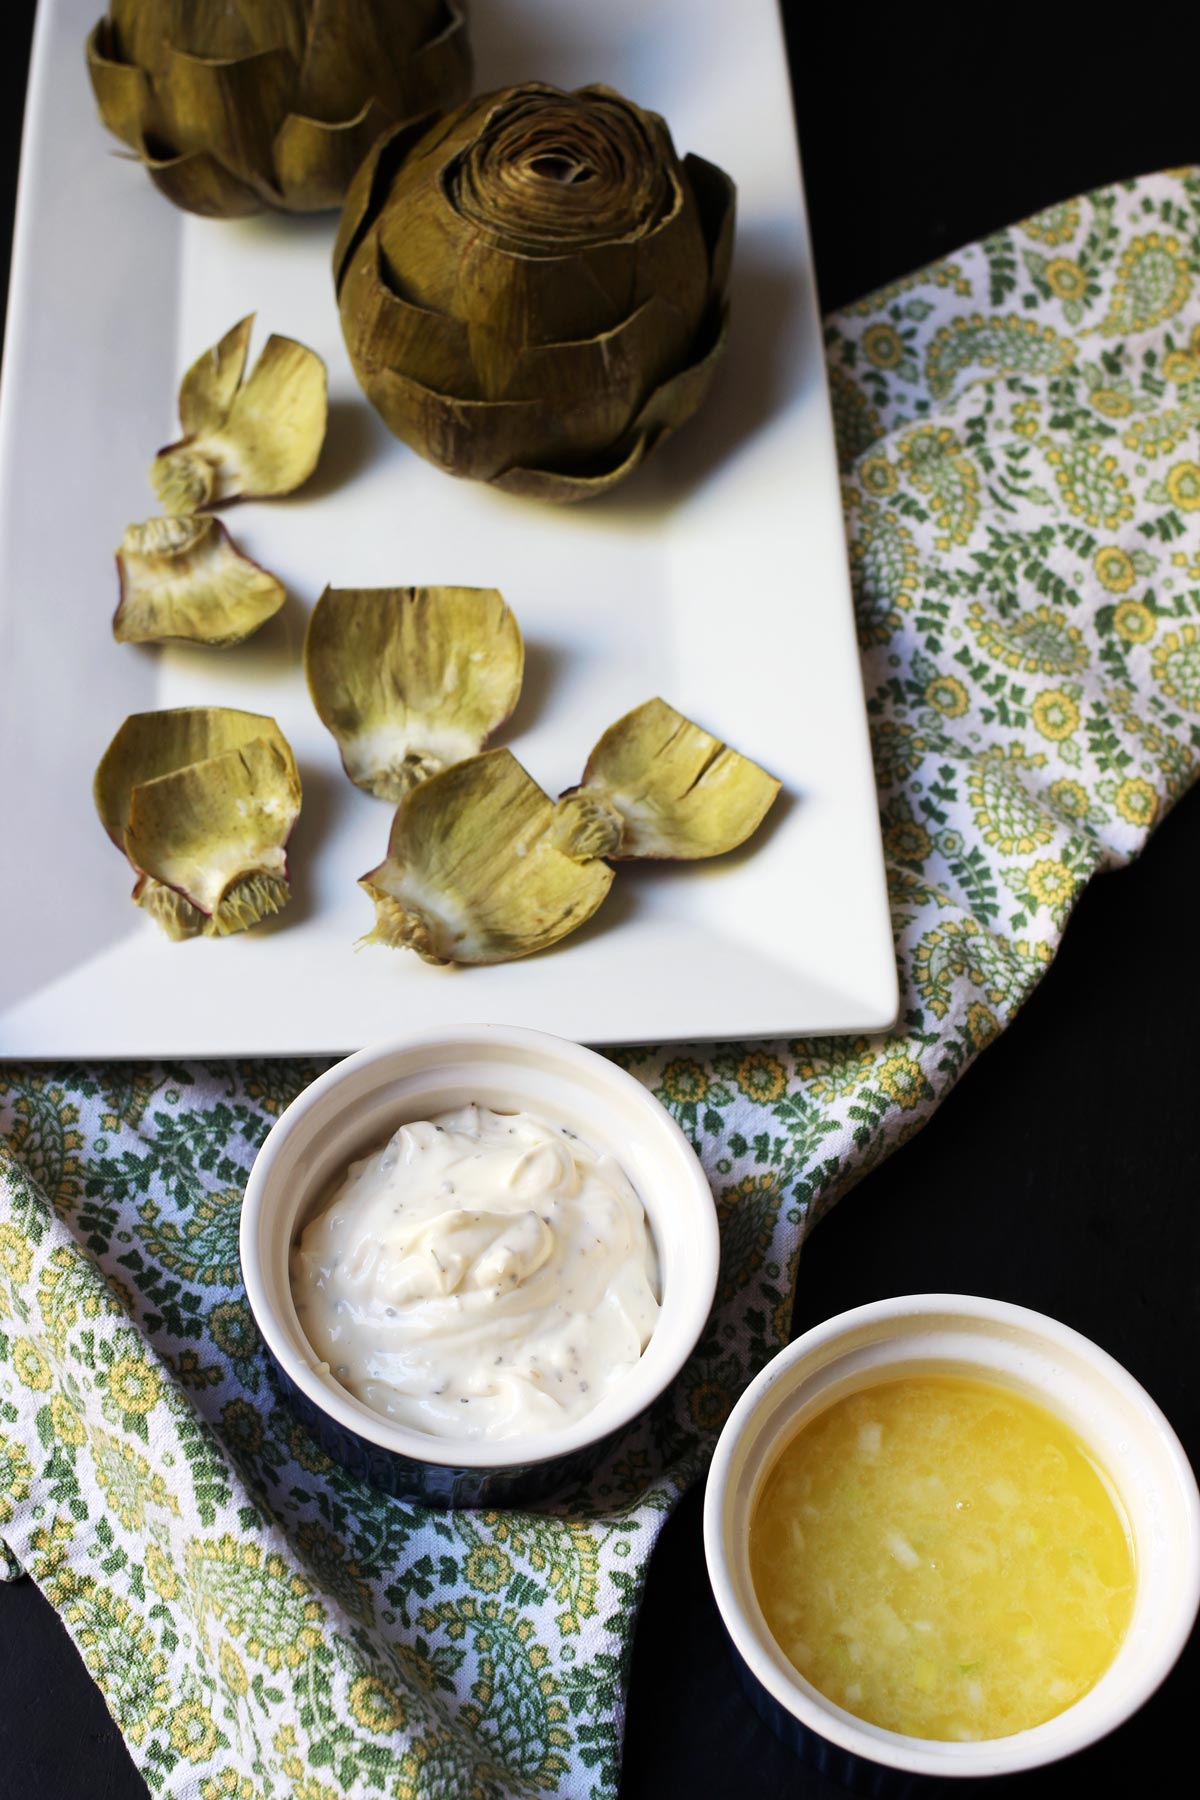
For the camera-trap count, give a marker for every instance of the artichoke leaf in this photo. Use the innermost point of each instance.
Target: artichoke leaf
(199, 183)
(344, 36)
(229, 109)
(580, 484)
(395, 333)
(676, 400)
(122, 91)
(151, 744)
(316, 160)
(215, 831)
(133, 33)
(252, 438)
(183, 578)
(207, 390)
(276, 425)
(410, 680)
(373, 182)
(656, 785)
(668, 406)
(147, 31)
(473, 873)
(716, 200)
(421, 59)
(201, 801)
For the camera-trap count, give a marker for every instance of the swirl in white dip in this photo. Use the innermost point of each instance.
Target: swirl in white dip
(482, 1276)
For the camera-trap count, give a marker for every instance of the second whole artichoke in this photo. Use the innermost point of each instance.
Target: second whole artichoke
(532, 290)
(237, 105)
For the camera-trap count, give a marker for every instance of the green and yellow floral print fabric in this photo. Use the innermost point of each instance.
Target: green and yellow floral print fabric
(1020, 434)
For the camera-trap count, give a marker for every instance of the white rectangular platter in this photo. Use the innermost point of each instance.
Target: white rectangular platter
(715, 577)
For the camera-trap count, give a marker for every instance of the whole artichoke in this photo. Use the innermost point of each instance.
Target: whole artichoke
(236, 105)
(532, 291)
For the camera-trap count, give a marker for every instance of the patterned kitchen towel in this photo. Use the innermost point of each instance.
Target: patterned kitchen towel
(1020, 432)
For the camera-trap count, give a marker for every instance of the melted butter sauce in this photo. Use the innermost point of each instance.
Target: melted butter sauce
(942, 1557)
(481, 1276)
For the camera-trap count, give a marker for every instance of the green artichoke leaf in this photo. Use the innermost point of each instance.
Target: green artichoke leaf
(418, 53)
(229, 109)
(135, 32)
(151, 744)
(201, 800)
(410, 680)
(184, 578)
(473, 873)
(716, 202)
(656, 785)
(207, 391)
(147, 32)
(270, 103)
(532, 292)
(252, 438)
(199, 183)
(123, 93)
(373, 181)
(316, 160)
(217, 825)
(669, 405)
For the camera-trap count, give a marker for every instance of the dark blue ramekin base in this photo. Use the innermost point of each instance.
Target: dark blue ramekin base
(874, 1781)
(438, 1484)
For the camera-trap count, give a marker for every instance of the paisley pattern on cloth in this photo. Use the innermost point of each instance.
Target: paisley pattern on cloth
(1020, 434)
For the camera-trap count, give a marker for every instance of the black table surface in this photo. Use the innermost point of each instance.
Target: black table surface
(1064, 1172)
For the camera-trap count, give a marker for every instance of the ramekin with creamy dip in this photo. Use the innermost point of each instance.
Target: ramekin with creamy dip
(622, 1141)
(480, 1276)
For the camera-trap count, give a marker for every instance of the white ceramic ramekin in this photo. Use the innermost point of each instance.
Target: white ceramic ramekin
(1114, 1417)
(357, 1105)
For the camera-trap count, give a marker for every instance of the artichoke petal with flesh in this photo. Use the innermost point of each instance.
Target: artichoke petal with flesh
(248, 438)
(410, 680)
(248, 104)
(201, 800)
(473, 872)
(658, 786)
(532, 290)
(184, 578)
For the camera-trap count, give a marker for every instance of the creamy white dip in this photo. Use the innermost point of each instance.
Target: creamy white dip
(483, 1275)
